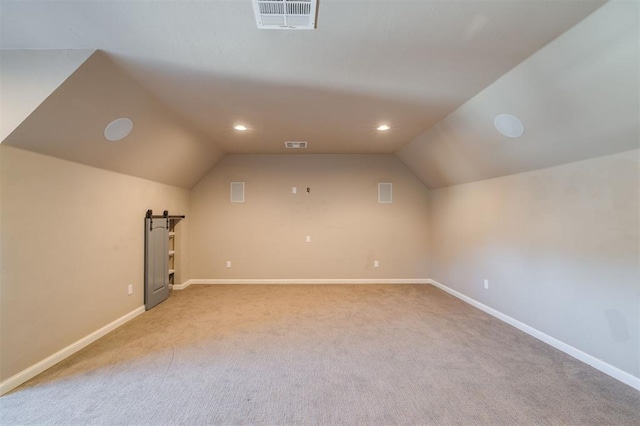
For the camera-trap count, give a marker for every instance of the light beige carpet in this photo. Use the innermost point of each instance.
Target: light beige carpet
(319, 354)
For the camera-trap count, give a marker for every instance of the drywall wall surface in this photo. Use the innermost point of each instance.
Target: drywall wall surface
(336, 205)
(28, 77)
(72, 241)
(559, 246)
(576, 92)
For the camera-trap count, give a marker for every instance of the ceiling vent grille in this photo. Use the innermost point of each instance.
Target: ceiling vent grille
(285, 14)
(295, 145)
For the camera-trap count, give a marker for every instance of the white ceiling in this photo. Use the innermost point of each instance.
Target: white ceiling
(436, 71)
(579, 98)
(406, 63)
(23, 84)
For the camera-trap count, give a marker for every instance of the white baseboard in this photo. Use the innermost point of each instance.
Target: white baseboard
(182, 286)
(18, 379)
(303, 281)
(596, 363)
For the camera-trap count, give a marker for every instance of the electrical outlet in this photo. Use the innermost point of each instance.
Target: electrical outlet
(294, 190)
(228, 264)
(486, 284)
(376, 264)
(130, 289)
(308, 238)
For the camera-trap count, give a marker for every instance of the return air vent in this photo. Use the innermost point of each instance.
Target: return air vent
(285, 14)
(295, 145)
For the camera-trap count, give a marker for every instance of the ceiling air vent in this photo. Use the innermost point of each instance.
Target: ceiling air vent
(285, 14)
(295, 145)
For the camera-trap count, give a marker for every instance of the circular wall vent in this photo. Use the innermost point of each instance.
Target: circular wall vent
(118, 129)
(509, 125)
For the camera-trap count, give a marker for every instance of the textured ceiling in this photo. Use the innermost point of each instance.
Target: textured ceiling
(419, 66)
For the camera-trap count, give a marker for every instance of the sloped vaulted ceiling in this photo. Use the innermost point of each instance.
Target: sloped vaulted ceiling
(193, 69)
(70, 123)
(27, 77)
(578, 97)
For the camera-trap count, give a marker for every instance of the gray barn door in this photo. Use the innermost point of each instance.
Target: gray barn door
(156, 271)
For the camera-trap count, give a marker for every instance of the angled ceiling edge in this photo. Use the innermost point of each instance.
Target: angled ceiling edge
(577, 98)
(70, 124)
(28, 77)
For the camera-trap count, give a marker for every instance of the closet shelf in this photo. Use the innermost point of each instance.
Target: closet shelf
(172, 252)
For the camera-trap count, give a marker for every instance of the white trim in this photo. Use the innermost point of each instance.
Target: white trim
(305, 281)
(30, 372)
(182, 286)
(596, 363)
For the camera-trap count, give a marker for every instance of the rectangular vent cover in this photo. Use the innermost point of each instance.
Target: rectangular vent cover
(295, 145)
(237, 192)
(285, 14)
(385, 191)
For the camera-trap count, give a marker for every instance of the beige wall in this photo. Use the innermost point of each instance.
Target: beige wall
(72, 239)
(559, 247)
(265, 236)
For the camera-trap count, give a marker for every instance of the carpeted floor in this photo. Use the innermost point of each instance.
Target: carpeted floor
(319, 354)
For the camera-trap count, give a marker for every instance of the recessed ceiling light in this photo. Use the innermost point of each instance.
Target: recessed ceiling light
(383, 127)
(509, 125)
(240, 127)
(118, 129)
